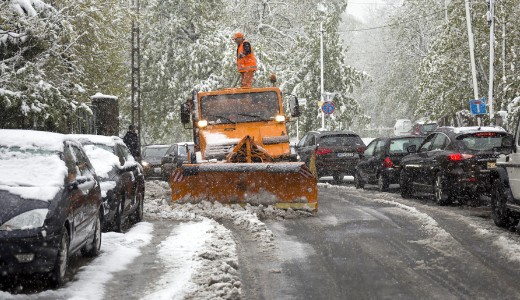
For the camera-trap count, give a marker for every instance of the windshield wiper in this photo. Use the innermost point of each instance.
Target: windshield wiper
(248, 115)
(221, 117)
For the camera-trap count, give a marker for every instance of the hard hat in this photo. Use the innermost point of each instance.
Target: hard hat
(238, 35)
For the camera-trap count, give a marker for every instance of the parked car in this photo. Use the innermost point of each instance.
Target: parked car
(51, 204)
(337, 152)
(176, 155)
(402, 127)
(505, 195)
(453, 162)
(121, 179)
(151, 160)
(380, 163)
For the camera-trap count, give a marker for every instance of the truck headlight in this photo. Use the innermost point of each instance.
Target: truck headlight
(202, 123)
(279, 118)
(27, 220)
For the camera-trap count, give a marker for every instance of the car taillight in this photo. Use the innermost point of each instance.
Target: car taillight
(458, 156)
(322, 151)
(360, 149)
(387, 163)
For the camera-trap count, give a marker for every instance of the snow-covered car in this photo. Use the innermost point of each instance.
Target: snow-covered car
(505, 195)
(121, 178)
(176, 155)
(152, 155)
(51, 203)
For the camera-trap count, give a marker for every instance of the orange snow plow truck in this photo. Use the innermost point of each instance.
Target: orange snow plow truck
(242, 152)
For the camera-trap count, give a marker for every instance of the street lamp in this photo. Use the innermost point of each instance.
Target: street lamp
(491, 21)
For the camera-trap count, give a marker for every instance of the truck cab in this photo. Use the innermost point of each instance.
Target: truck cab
(505, 196)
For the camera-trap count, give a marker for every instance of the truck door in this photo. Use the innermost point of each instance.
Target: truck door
(513, 166)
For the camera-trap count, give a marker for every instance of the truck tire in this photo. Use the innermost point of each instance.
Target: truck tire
(499, 211)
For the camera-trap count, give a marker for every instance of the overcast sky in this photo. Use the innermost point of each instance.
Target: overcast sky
(361, 8)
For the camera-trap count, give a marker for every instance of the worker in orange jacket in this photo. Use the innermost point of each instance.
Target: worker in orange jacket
(246, 61)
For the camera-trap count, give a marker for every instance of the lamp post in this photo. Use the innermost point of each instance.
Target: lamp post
(491, 21)
(472, 54)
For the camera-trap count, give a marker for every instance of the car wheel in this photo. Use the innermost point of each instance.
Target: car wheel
(338, 178)
(93, 247)
(441, 191)
(404, 185)
(117, 222)
(499, 211)
(358, 181)
(382, 183)
(139, 212)
(61, 265)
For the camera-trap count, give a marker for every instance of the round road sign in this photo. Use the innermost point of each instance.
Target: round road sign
(328, 107)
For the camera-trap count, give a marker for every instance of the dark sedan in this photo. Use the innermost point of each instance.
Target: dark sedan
(51, 204)
(453, 162)
(337, 152)
(380, 162)
(121, 178)
(152, 155)
(176, 155)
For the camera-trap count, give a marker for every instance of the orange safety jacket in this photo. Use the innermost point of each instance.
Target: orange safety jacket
(248, 62)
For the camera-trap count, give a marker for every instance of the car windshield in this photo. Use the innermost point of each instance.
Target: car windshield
(182, 149)
(31, 167)
(400, 145)
(481, 140)
(154, 151)
(341, 140)
(244, 107)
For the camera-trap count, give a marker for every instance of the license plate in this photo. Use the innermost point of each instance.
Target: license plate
(345, 154)
(491, 165)
(157, 170)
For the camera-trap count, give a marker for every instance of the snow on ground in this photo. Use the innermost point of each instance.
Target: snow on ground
(507, 243)
(199, 255)
(118, 250)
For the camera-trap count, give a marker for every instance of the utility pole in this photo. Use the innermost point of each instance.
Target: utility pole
(491, 21)
(472, 53)
(321, 73)
(136, 72)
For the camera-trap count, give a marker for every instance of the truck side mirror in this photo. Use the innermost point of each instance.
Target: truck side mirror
(185, 113)
(294, 107)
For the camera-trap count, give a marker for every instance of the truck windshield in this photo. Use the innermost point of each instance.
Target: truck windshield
(233, 108)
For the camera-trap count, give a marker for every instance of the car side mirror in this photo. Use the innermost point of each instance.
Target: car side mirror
(411, 149)
(73, 185)
(507, 141)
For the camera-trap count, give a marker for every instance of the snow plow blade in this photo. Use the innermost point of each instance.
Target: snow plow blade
(281, 184)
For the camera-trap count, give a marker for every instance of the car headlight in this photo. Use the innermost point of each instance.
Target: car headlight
(27, 220)
(145, 164)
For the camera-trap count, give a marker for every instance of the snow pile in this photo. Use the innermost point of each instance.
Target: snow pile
(200, 263)
(158, 205)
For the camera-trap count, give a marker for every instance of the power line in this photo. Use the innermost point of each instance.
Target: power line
(395, 24)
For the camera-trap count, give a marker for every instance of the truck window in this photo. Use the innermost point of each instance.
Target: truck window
(245, 107)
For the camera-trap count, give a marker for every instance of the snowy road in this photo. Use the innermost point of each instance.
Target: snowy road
(361, 245)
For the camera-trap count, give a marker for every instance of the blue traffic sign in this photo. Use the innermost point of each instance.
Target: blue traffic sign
(478, 106)
(328, 107)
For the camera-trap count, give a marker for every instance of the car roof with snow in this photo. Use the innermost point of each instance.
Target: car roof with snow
(470, 129)
(97, 139)
(32, 139)
(333, 132)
